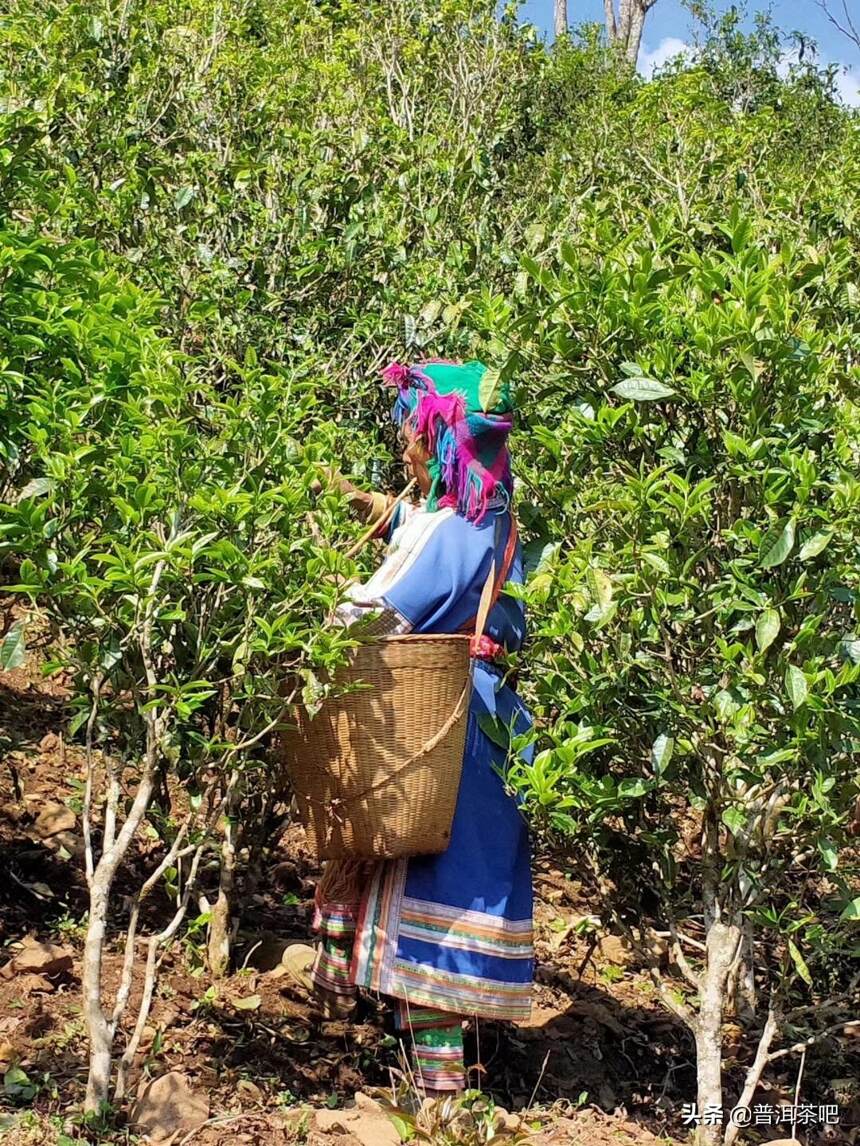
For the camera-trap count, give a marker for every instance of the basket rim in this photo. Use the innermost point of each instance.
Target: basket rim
(388, 638)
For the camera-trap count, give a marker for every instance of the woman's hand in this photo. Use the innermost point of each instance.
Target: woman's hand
(368, 506)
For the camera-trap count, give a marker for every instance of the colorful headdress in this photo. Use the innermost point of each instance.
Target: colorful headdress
(464, 413)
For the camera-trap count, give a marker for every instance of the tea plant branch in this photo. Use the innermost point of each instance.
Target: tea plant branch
(797, 1048)
(692, 977)
(150, 972)
(86, 814)
(100, 1028)
(756, 1069)
(688, 939)
(243, 745)
(131, 933)
(849, 28)
(673, 1003)
(175, 852)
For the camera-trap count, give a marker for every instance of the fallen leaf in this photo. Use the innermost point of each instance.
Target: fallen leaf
(249, 1003)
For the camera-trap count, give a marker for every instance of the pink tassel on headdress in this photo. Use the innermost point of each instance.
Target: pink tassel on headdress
(450, 408)
(395, 374)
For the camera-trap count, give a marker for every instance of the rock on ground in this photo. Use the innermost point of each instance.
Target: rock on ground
(366, 1123)
(43, 958)
(55, 818)
(167, 1105)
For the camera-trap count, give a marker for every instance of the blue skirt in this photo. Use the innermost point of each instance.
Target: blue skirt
(454, 931)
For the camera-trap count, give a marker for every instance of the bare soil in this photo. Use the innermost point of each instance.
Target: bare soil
(601, 1061)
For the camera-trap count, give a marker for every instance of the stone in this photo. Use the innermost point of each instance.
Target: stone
(55, 818)
(507, 1121)
(71, 841)
(31, 984)
(168, 1105)
(42, 958)
(249, 1091)
(329, 1121)
(366, 1122)
(615, 949)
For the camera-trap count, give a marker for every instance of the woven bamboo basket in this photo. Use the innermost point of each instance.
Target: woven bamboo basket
(377, 770)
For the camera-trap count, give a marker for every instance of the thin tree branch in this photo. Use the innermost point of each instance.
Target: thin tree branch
(796, 1048)
(756, 1069)
(86, 815)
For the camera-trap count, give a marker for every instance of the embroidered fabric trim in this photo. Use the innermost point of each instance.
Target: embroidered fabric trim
(331, 970)
(378, 967)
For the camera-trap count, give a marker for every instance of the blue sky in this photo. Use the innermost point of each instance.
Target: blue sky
(669, 26)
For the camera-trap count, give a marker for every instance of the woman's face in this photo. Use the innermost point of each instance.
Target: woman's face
(415, 458)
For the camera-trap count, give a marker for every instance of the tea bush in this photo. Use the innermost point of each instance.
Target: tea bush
(215, 226)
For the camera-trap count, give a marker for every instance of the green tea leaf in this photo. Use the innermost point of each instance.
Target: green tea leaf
(851, 912)
(767, 629)
(490, 389)
(781, 548)
(641, 389)
(661, 753)
(634, 787)
(656, 562)
(17, 1085)
(796, 686)
(799, 963)
(493, 728)
(183, 197)
(405, 1129)
(829, 854)
(735, 819)
(600, 587)
(12, 649)
(36, 488)
(815, 545)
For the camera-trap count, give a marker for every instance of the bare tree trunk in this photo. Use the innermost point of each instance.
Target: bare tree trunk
(98, 1030)
(220, 925)
(722, 944)
(742, 989)
(560, 21)
(634, 33)
(625, 27)
(611, 25)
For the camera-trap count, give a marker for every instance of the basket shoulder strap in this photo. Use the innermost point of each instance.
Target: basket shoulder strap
(493, 584)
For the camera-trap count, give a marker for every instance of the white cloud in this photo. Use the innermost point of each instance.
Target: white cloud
(848, 86)
(667, 49)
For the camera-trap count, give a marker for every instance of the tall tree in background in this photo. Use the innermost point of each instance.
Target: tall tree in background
(625, 27)
(560, 18)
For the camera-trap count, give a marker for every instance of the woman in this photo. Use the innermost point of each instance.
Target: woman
(446, 936)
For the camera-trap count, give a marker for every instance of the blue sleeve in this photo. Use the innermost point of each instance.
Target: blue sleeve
(440, 589)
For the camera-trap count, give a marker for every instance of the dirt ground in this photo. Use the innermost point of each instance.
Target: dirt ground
(601, 1061)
